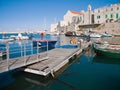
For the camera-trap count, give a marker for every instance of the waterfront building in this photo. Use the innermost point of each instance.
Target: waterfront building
(72, 20)
(68, 22)
(54, 27)
(71, 16)
(87, 16)
(107, 14)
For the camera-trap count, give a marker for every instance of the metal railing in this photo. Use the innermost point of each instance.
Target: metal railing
(21, 54)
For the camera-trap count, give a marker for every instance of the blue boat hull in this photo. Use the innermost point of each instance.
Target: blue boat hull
(44, 43)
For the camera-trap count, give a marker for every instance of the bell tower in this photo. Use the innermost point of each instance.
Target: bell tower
(89, 14)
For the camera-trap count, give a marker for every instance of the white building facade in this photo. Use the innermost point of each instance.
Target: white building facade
(98, 16)
(107, 14)
(53, 27)
(70, 18)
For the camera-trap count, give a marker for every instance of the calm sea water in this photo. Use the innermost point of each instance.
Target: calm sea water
(87, 72)
(16, 47)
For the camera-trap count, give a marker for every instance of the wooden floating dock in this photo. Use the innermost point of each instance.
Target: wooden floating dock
(44, 63)
(57, 58)
(21, 62)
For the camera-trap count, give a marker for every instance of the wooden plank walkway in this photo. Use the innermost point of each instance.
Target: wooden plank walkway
(21, 61)
(56, 59)
(43, 63)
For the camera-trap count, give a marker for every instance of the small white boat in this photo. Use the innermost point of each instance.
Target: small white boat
(6, 40)
(95, 35)
(2, 53)
(105, 34)
(19, 37)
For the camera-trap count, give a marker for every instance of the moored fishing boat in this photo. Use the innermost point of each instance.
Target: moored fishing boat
(19, 37)
(108, 50)
(70, 33)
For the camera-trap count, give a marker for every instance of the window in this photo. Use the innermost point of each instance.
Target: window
(80, 18)
(117, 15)
(106, 10)
(98, 11)
(106, 16)
(117, 8)
(111, 15)
(98, 17)
(111, 9)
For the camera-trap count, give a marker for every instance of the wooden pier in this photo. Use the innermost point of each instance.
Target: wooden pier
(57, 58)
(43, 63)
(14, 63)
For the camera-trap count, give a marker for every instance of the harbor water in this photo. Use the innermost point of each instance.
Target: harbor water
(86, 72)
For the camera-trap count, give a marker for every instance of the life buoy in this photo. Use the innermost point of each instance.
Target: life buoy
(73, 41)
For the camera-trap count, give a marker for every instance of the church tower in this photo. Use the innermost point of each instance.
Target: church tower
(89, 13)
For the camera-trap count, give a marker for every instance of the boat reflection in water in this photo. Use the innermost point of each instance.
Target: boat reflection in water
(105, 60)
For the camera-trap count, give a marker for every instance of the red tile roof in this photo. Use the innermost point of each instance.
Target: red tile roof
(74, 12)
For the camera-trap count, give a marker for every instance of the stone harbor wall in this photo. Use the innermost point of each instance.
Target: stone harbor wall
(112, 28)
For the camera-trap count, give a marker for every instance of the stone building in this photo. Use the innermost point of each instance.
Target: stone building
(107, 14)
(73, 20)
(68, 22)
